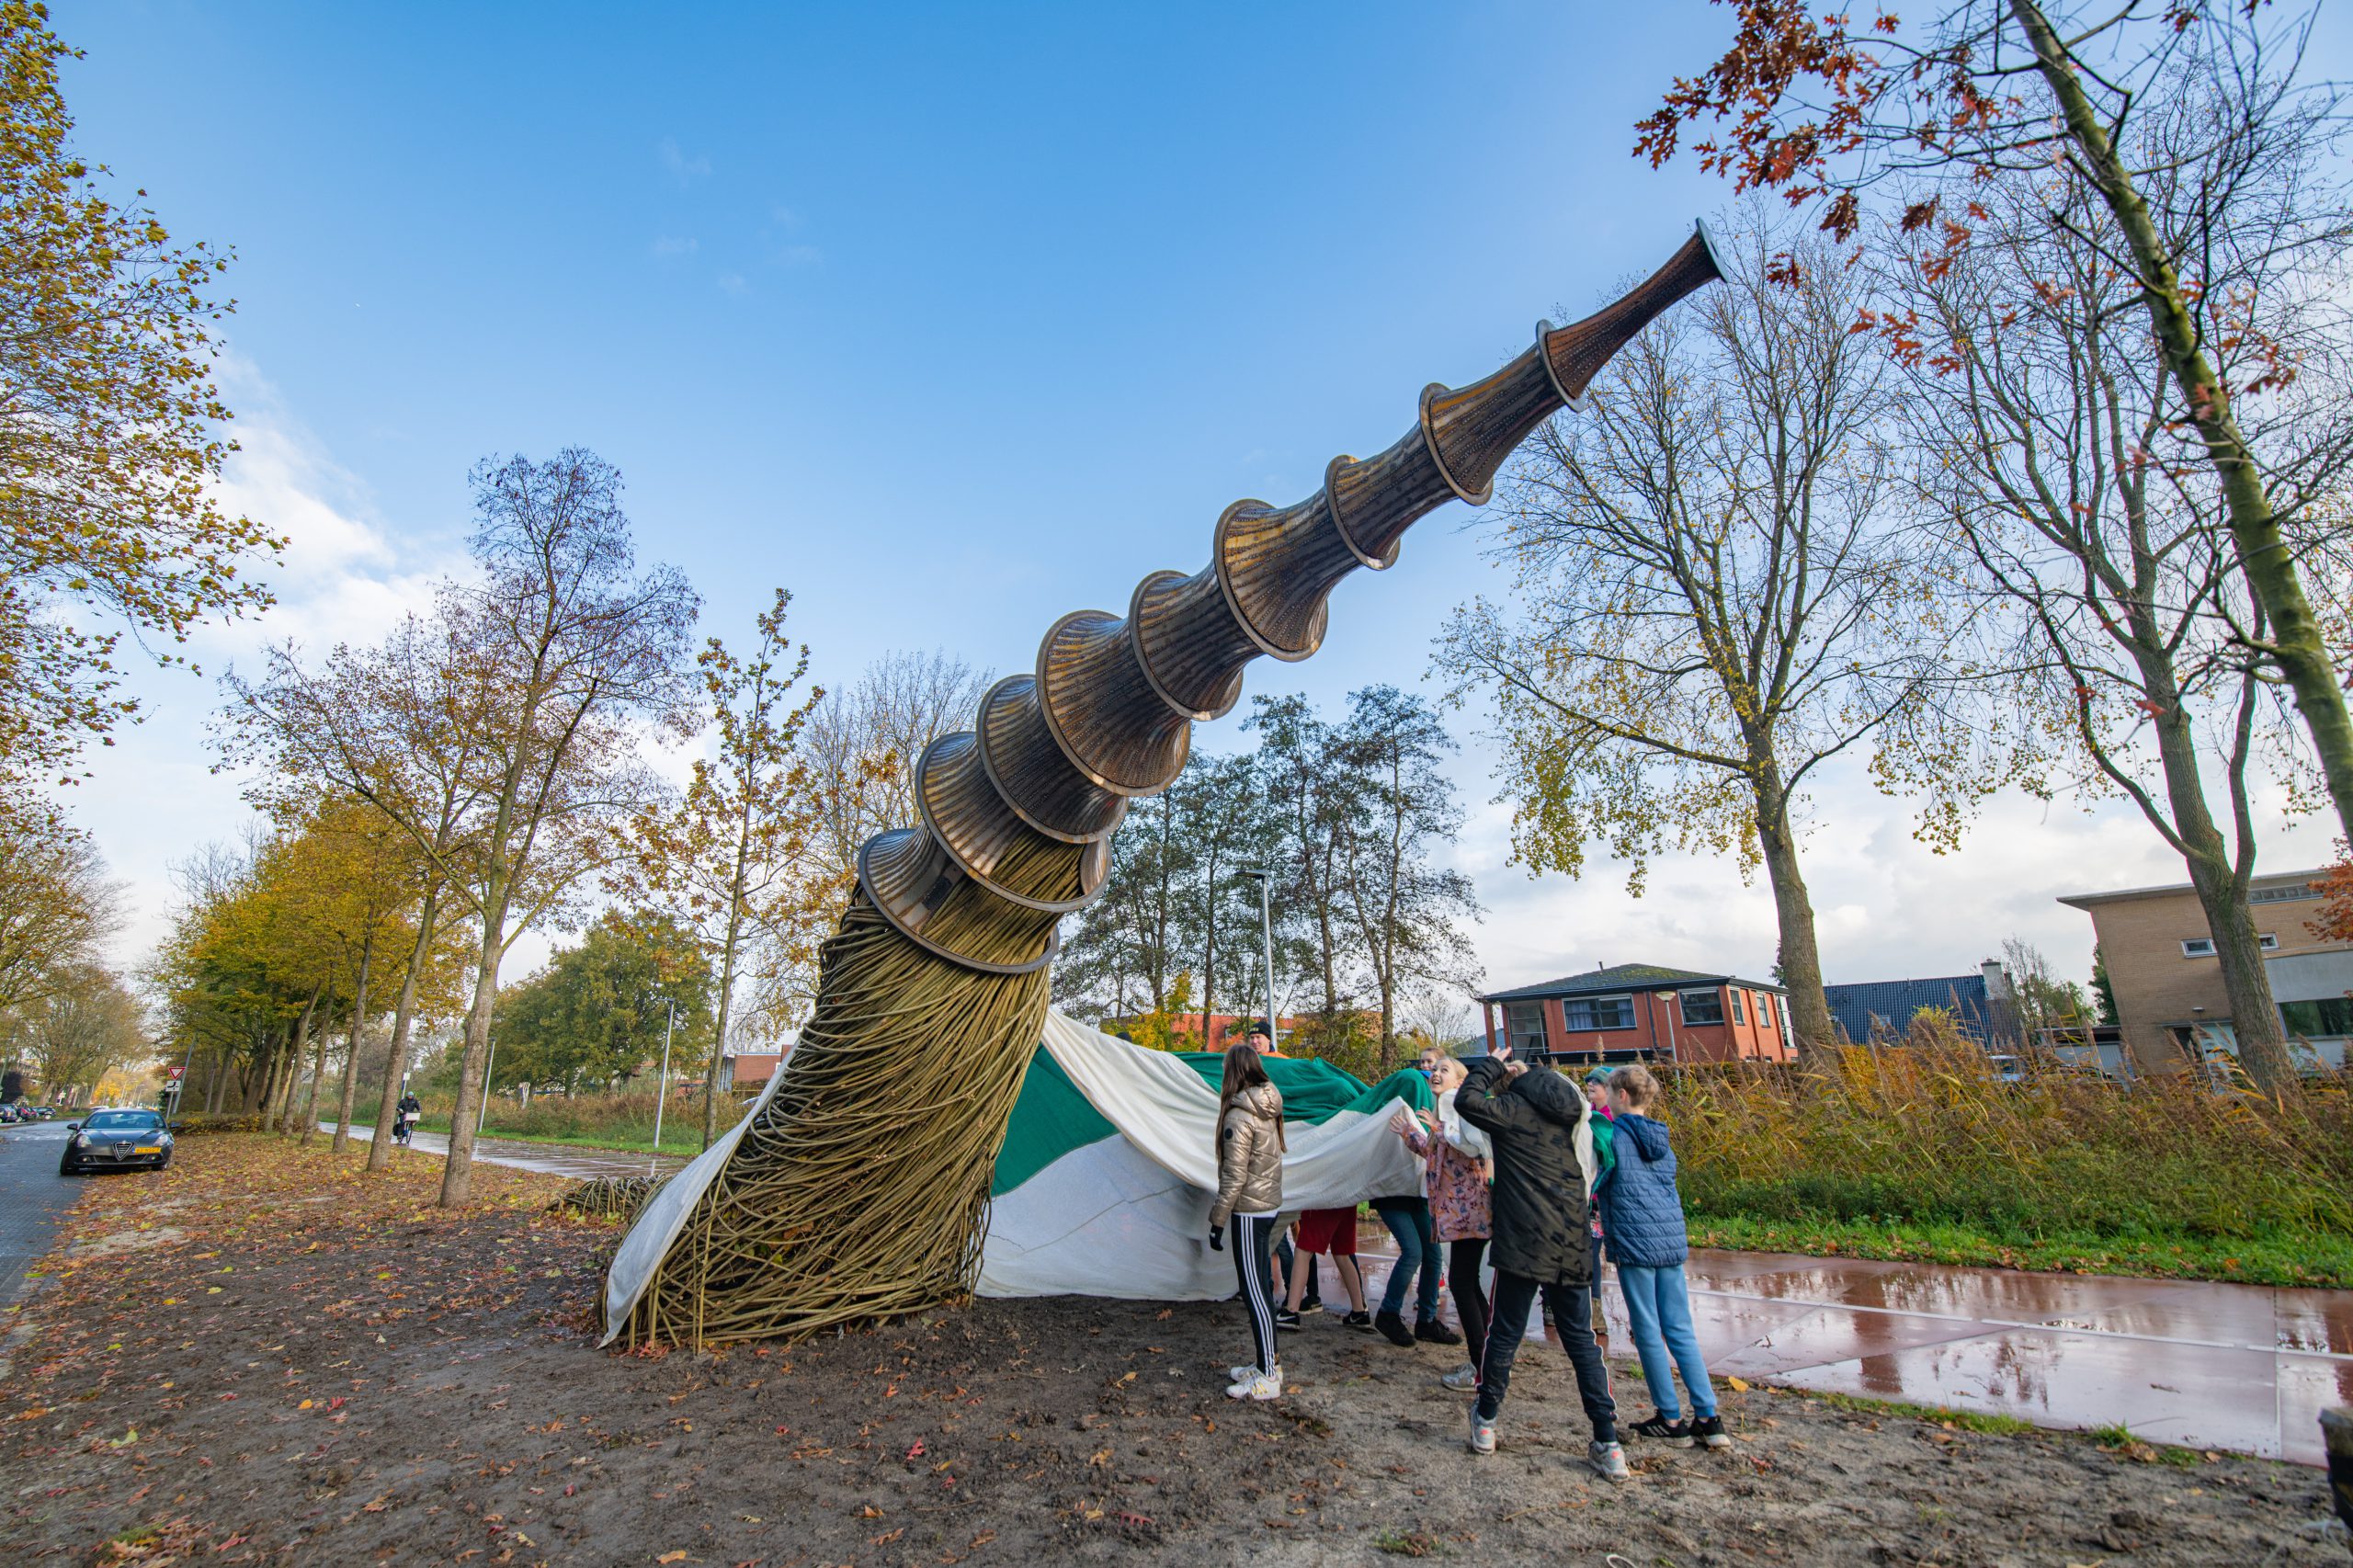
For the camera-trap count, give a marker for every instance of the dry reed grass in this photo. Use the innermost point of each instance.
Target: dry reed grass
(1923, 1133)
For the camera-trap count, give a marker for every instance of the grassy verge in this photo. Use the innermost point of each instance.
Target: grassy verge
(1963, 1420)
(2309, 1258)
(685, 1141)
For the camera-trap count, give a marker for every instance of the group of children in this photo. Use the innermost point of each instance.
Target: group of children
(1519, 1165)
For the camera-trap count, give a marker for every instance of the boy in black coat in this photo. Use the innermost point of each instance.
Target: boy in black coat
(1543, 1208)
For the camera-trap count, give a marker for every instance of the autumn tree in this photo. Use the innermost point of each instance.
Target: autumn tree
(57, 903)
(526, 698)
(1408, 912)
(2040, 447)
(83, 1025)
(109, 447)
(863, 742)
(1714, 597)
(404, 727)
(1314, 803)
(599, 1012)
(738, 861)
(1125, 955)
(1875, 120)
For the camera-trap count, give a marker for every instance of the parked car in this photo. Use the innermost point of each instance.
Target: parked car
(116, 1140)
(8, 1115)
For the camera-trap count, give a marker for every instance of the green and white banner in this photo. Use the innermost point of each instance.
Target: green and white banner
(1110, 1162)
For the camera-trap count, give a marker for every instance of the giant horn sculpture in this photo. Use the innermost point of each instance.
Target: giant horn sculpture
(858, 1187)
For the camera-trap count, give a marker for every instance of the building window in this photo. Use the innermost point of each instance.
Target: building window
(1600, 1012)
(2329, 1016)
(1782, 1009)
(2280, 895)
(2203, 946)
(1524, 1026)
(1738, 1015)
(1703, 1007)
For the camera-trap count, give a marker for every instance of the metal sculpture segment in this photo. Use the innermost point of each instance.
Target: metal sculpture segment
(858, 1187)
(1118, 696)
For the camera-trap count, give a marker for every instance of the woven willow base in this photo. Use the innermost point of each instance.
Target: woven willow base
(861, 1190)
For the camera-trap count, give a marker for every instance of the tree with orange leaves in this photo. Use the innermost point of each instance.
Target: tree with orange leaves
(2038, 93)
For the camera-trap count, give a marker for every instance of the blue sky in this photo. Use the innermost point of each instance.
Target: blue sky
(951, 320)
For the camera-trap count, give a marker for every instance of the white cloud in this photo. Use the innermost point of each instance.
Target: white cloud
(681, 167)
(152, 796)
(1885, 906)
(671, 244)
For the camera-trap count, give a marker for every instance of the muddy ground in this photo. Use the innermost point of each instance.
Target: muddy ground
(259, 1356)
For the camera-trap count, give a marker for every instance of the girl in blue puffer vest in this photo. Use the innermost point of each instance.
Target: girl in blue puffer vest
(1641, 1219)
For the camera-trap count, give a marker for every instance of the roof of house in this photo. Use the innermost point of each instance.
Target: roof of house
(1869, 1007)
(2261, 879)
(1622, 977)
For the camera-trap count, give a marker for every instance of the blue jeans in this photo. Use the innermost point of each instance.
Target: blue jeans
(1417, 1248)
(1658, 1305)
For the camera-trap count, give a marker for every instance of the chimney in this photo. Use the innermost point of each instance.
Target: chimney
(1998, 979)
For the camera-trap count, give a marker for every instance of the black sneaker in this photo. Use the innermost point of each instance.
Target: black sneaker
(1392, 1328)
(1708, 1432)
(1310, 1307)
(1286, 1319)
(1659, 1430)
(1429, 1331)
(1360, 1322)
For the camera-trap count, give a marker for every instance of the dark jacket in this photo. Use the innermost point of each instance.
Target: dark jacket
(1641, 1214)
(1541, 1210)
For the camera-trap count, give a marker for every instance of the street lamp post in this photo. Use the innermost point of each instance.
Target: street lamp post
(1267, 933)
(661, 1089)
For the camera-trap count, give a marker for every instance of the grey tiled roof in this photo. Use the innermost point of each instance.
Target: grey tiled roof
(1622, 977)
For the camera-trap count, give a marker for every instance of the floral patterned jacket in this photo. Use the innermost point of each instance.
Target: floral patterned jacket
(1457, 1184)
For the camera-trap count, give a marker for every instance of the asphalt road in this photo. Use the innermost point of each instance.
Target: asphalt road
(33, 1197)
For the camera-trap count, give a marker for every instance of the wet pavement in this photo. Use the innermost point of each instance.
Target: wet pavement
(2200, 1365)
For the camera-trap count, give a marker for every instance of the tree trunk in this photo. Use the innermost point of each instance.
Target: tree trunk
(1794, 911)
(351, 1059)
(302, 1043)
(458, 1171)
(380, 1147)
(2263, 554)
(2221, 894)
(318, 1075)
(718, 1041)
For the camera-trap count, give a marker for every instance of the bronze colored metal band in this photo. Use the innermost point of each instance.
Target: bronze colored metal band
(1264, 645)
(1332, 505)
(1054, 725)
(1053, 938)
(1545, 357)
(1429, 440)
(996, 779)
(1143, 661)
(947, 842)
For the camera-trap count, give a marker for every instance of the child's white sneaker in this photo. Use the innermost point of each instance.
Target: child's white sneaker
(1258, 1385)
(1483, 1433)
(1462, 1379)
(1610, 1459)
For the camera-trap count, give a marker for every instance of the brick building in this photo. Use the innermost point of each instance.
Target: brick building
(2159, 955)
(1639, 1012)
